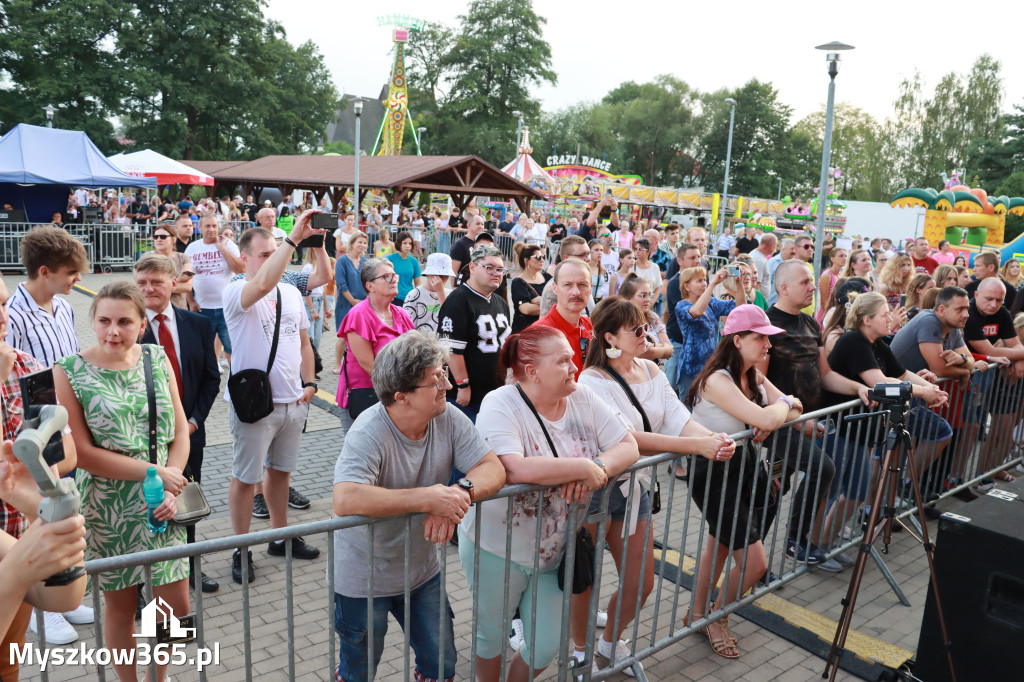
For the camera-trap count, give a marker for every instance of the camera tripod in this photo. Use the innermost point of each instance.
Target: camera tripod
(897, 452)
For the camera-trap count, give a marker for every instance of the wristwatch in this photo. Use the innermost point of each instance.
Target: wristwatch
(964, 358)
(600, 464)
(307, 384)
(466, 485)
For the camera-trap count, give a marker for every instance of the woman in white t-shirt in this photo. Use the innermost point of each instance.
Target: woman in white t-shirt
(590, 445)
(620, 338)
(344, 233)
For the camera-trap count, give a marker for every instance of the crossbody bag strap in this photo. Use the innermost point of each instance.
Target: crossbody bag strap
(147, 365)
(277, 330)
(629, 394)
(529, 403)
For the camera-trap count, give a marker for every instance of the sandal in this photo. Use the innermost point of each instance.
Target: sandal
(725, 642)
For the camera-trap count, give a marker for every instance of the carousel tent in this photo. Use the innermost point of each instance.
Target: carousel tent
(526, 170)
(150, 164)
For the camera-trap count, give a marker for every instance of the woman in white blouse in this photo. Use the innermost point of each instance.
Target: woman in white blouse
(620, 339)
(591, 445)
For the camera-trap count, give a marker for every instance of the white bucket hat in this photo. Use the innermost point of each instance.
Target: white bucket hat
(439, 264)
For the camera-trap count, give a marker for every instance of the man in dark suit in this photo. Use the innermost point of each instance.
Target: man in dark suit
(187, 339)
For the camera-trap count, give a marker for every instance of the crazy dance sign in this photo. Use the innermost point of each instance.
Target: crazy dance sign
(582, 176)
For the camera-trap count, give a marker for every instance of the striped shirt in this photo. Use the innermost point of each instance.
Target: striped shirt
(32, 329)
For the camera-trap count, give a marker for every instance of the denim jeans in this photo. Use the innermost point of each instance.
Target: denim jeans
(424, 636)
(671, 365)
(316, 327)
(444, 242)
(220, 326)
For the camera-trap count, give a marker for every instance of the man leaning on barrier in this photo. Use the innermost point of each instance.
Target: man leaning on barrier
(397, 459)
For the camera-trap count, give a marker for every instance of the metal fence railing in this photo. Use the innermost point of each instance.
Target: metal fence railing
(789, 468)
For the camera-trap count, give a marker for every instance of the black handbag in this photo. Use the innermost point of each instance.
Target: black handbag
(583, 567)
(359, 399)
(250, 389)
(655, 486)
(192, 503)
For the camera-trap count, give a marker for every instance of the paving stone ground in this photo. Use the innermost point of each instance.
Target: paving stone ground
(765, 656)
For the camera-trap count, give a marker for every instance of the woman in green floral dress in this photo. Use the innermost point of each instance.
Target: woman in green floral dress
(104, 390)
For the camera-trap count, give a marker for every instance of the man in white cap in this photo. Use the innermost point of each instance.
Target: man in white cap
(424, 302)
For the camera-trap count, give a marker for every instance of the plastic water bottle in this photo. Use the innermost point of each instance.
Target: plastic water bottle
(153, 491)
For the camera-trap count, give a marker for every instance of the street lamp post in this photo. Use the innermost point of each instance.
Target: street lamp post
(419, 143)
(519, 128)
(832, 57)
(49, 109)
(357, 108)
(728, 160)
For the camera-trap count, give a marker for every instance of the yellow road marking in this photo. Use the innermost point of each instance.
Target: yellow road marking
(85, 290)
(864, 646)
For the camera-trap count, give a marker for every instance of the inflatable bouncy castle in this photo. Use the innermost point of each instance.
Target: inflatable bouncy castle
(968, 218)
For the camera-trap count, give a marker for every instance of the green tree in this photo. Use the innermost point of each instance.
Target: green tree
(489, 72)
(588, 125)
(856, 149)
(208, 88)
(656, 125)
(760, 132)
(59, 53)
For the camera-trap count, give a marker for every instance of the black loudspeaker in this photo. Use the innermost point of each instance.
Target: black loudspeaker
(92, 214)
(979, 567)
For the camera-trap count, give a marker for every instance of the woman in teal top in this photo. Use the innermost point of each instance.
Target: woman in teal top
(406, 266)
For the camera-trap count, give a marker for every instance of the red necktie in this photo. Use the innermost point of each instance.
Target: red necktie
(167, 341)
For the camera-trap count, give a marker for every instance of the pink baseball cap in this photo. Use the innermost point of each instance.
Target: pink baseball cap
(750, 318)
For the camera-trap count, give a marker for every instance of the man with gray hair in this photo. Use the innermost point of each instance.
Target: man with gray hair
(787, 250)
(474, 322)
(760, 256)
(397, 459)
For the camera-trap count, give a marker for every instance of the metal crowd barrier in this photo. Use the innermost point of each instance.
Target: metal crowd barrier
(787, 465)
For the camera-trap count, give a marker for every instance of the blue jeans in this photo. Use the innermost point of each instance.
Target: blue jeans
(316, 327)
(220, 326)
(470, 410)
(350, 623)
(927, 426)
(671, 364)
(444, 242)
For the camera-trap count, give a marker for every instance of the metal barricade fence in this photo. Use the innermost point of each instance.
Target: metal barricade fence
(768, 505)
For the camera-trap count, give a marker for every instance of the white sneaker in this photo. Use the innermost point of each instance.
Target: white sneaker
(621, 651)
(224, 366)
(58, 630)
(83, 615)
(515, 640)
(602, 618)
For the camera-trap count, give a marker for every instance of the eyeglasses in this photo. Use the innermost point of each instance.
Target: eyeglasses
(389, 277)
(442, 382)
(645, 297)
(494, 269)
(642, 331)
(807, 246)
(582, 256)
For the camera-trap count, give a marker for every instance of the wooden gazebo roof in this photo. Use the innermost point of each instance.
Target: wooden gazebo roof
(398, 177)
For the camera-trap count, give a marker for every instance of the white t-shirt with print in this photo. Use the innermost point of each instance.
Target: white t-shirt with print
(588, 428)
(212, 272)
(252, 334)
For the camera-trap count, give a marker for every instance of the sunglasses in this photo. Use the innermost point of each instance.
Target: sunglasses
(161, 236)
(642, 331)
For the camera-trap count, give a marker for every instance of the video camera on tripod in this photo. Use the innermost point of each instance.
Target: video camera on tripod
(893, 392)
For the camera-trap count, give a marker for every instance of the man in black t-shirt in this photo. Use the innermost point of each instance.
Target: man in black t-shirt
(556, 232)
(460, 251)
(474, 322)
(455, 218)
(798, 367)
(249, 209)
(986, 266)
(746, 243)
(989, 331)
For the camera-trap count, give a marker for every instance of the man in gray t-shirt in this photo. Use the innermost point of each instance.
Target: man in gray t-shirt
(933, 339)
(397, 459)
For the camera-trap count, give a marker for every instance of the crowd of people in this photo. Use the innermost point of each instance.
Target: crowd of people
(456, 378)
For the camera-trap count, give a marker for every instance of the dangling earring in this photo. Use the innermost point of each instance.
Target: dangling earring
(613, 352)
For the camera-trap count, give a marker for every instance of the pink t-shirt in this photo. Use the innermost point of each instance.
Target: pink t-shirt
(944, 258)
(364, 322)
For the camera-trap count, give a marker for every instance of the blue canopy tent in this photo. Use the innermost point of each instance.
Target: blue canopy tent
(38, 166)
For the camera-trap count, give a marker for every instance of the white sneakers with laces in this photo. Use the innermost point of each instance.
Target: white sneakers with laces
(57, 629)
(621, 651)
